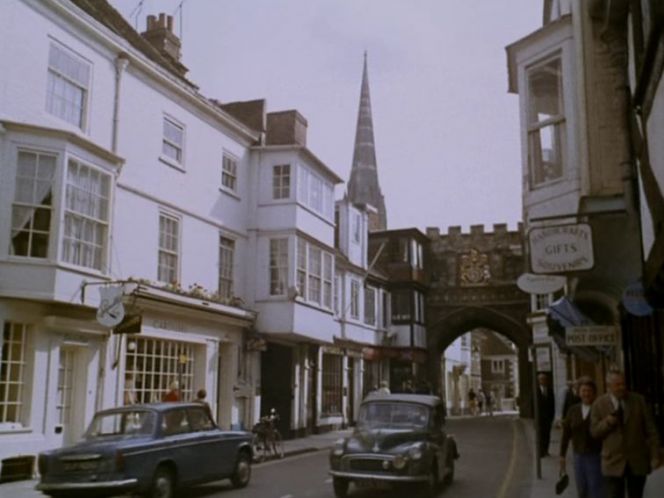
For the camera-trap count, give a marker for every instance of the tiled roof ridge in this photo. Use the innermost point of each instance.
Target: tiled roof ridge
(104, 13)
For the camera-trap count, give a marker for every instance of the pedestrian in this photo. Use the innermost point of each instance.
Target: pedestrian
(570, 397)
(585, 449)
(173, 393)
(480, 401)
(384, 387)
(488, 399)
(630, 443)
(546, 403)
(472, 401)
(201, 396)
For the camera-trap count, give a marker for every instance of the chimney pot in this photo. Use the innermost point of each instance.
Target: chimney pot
(169, 23)
(162, 20)
(151, 20)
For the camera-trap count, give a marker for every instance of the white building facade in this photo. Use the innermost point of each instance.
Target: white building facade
(99, 138)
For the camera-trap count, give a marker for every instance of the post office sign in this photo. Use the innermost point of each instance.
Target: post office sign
(592, 335)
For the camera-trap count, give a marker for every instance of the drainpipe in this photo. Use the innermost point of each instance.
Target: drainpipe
(121, 63)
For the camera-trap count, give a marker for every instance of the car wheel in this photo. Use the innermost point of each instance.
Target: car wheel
(242, 472)
(163, 484)
(430, 487)
(340, 486)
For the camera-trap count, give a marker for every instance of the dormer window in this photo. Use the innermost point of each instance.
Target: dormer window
(546, 120)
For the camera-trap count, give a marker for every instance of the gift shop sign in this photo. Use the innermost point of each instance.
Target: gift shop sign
(561, 249)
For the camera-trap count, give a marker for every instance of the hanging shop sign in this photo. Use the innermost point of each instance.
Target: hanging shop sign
(540, 284)
(111, 310)
(591, 335)
(561, 249)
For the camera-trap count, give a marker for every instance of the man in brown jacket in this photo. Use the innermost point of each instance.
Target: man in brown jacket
(622, 421)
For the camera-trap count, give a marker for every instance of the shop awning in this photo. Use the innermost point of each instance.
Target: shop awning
(564, 313)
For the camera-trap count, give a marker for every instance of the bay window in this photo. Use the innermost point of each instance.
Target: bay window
(278, 266)
(354, 299)
(370, 306)
(86, 217)
(33, 204)
(546, 122)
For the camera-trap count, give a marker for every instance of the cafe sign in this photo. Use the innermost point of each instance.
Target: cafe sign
(561, 249)
(591, 335)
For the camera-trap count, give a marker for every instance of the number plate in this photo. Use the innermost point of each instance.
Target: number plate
(79, 466)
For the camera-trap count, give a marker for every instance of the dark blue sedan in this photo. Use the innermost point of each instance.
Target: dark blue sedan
(149, 450)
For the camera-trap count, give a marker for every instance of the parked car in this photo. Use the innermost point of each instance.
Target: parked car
(399, 440)
(149, 450)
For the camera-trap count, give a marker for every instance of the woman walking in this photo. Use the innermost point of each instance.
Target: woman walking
(586, 449)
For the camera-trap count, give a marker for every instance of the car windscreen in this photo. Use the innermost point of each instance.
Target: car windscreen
(126, 423)
(393, 415)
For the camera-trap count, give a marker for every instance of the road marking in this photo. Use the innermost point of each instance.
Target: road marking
(260, 465)
(510, 468)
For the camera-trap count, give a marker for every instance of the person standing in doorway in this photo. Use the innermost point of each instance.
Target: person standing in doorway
(546, 410)
(586, 449)
(630, 443)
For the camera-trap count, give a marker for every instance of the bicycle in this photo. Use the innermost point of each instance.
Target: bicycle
(267, 441)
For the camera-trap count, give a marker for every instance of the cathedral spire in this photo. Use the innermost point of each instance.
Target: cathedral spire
(363, 187)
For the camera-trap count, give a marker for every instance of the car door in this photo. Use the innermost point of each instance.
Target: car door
(180, 445)
(212, 444)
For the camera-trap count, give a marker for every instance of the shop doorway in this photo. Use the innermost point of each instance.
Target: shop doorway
(70, 395)
(276, 384)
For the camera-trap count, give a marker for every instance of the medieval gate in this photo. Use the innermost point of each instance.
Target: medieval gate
(472, 280)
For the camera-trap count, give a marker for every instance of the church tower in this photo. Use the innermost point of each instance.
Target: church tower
(363, 186)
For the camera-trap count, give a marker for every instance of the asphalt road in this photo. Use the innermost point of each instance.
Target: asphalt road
(495, 463)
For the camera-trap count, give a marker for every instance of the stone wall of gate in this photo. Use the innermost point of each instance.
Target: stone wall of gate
(472, 277)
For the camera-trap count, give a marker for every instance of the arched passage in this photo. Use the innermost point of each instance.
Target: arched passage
(447, 327)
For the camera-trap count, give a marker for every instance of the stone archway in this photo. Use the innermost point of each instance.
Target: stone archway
(447, 327)
(473, 285)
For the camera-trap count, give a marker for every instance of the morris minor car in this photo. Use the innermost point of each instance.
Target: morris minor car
(399, 440)
(148, 450)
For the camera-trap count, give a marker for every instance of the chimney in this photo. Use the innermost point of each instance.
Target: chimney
(286, 128)
(160, 34)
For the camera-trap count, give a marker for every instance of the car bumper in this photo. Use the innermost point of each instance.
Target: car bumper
(122, 485)
(357, 476)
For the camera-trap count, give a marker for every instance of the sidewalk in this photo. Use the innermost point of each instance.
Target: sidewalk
(292, 447)
(546, 486)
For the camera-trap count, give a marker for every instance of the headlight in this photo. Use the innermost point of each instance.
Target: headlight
(415, 453)
(399, 462)
(339, 447)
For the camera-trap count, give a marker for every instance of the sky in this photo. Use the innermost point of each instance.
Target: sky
(446, 129)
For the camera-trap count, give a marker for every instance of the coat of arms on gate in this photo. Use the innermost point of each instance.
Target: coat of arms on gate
(474, 268)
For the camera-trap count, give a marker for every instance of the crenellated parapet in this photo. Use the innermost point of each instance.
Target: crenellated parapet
(476, 257)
